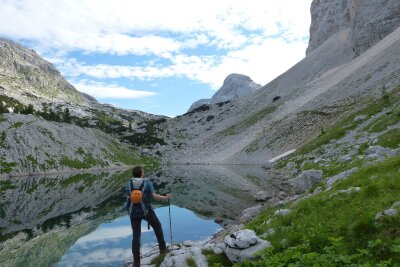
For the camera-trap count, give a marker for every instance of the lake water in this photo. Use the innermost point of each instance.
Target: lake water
(79, 220)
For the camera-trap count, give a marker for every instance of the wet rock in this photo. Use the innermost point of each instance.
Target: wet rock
(218, 220)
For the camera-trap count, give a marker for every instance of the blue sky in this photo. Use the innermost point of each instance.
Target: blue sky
(160, 56)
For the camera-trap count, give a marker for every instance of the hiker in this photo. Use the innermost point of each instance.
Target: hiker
(140, 191)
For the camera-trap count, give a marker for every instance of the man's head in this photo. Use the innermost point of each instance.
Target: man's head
(137, 171)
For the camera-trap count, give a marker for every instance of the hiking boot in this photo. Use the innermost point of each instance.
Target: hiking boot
(136, 264)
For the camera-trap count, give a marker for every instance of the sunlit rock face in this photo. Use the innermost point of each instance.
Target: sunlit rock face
(235, 85)
(369, 21)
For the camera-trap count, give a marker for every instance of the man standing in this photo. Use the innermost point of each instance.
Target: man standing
(139, 193)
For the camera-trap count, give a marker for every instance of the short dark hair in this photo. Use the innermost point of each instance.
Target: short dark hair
(137, 171)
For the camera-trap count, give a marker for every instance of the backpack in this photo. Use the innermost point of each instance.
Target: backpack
(138, 207)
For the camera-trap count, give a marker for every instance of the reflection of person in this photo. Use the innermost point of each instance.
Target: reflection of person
(136, 219)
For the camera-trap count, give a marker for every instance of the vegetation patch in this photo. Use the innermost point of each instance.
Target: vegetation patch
(338, 229)
(191, 262)
(87, 179)
(3, 143)
(248, 122)
(158, 260)
(6, 185)
(216, 260)
(390, 139)
(17, 124)
(6, 167)
(88, 162)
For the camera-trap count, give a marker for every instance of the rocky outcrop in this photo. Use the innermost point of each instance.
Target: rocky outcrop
(30, 144)
(368, 21)
(25, 76)
(307, 180)
(242, 245)
(235, 85)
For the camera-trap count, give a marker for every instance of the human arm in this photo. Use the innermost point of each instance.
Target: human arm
(158, 197)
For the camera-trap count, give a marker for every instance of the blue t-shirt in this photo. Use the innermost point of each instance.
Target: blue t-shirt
(149, 189)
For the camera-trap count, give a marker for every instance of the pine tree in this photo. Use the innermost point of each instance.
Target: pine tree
(66, 116)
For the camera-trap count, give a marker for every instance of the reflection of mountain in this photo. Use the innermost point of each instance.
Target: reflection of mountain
(215, 191)
(42, 217)
(53, 213)
(30, 201)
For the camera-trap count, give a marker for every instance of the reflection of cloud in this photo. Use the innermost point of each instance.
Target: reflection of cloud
(98, 256)
(103, 234)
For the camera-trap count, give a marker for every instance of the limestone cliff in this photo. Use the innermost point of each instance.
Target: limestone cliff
(369, 21)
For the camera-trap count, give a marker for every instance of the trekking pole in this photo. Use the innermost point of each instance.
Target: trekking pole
(170, 224)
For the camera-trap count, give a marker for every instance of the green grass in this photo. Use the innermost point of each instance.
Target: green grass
(87, 179)
(6, 167)
(3, 143)
(390, 139)
(158, 260)
(191, 262)
(338, 228)
(6, 185)
(87, 163)
(17, 124)
(249, 121)
(216, 260)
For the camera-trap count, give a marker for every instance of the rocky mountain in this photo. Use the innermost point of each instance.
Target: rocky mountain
(26, 76)
(338, 76)
(235, 85)
(367, 22)
(47, 125)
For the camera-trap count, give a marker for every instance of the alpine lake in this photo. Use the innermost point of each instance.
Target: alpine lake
(80, 219)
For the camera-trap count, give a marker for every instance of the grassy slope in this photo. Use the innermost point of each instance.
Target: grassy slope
(339, 229)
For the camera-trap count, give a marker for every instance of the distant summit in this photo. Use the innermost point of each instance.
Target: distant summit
(235, 85)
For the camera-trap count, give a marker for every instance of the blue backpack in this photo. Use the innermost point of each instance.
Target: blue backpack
(138, 207)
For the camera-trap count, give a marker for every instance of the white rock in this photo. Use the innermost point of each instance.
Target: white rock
(282, 212)
(339, 176)
(241, 239)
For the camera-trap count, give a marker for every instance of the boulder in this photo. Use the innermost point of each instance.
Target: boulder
(250, 213)
(261, 196)
(306, 180)
(378, 150)
(242, 245)
(347, 191)
(360, 118)
(389, 212)
(282, 212)
(339, 176)
(179, 257)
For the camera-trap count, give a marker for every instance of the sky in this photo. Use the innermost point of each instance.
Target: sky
(160, 56)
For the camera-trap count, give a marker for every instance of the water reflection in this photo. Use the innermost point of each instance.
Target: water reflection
(43, 218)
(110, 243)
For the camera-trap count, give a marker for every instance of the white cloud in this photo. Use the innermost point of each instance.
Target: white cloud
(263, 60)
(102, 90)
(144, 27)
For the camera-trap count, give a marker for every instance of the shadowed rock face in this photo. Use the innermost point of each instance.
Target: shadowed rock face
(369, 21)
